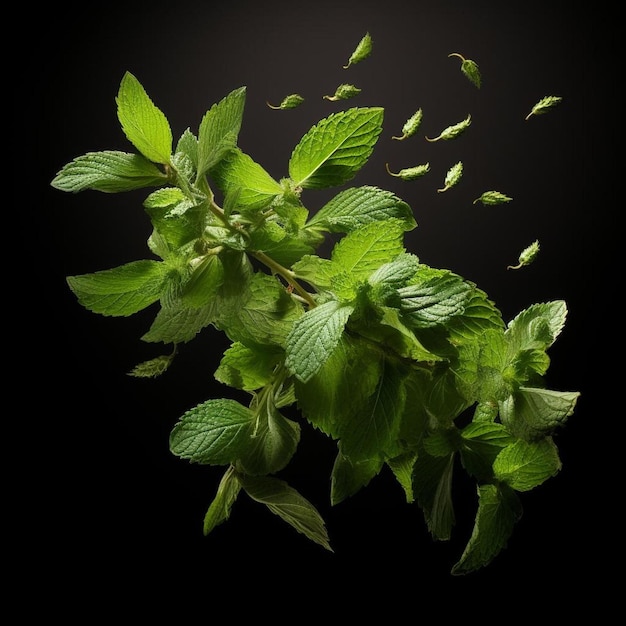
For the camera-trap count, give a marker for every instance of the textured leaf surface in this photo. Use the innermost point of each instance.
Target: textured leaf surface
(289, 505)
(336, 148)
(145, 126)
(523, 466)
(215, 432)
(120, 291)
(110, 171)
(219, 510)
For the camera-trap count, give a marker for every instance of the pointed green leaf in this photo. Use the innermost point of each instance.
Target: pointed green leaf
(145, 126)
(204, 282)
(257, 189)
(109, 171)
(289, 505)
(215, 432)
(313, 338)
(524, 466)
(482, 441)
(219, 510)
(361, 52)
(334, 150)
(432, 485)
(246, 368)
(352, 208)
(537, 327)
(120, 291)
(435, 298)
(532, 413)
(499, 509)
(219, 130)
(362, 251)
(272, 445)
(402, 468)
(349, 478)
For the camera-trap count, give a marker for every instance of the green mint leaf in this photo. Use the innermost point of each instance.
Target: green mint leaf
(482, 441)
(492, 198)
(187, 147)
(537, 327)
(348, 477)
(533, 413)
(469, 69)
(120, 291)
(453, 176)
(435, 297)
(152, 368)
(246, 368)
(526, 465)
(363, 251)
(336, 148)
(314, 337)
(284, 247)
(219, 130)
(262, 314)
(396, 273)
(451, 132)
(145, 126)
(343, 92)
(432, 485)
(176, 322)
(526, 257)
(257, 189)
(109, 171)
(410, 173)
(288, 102)
(352, 208)
(402, 468)
(215, 432)
(361, 52)
(219, 510)
(373, 429)
(499, 509)
(204, 283)
(544, 105)
(411, 126)
(289, 505)
(273, 444)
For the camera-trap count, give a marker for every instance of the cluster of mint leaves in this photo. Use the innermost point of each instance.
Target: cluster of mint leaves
(408, 368)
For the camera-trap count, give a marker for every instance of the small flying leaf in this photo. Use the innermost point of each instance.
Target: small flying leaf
(452, 177)
(410, 173)
(289, 102)
(152, 368)
(343, 92)
(453, 131)
(527, 256)
(411, 125)
(544, 105)
(362, 51)
(469, 68)
(492, 198)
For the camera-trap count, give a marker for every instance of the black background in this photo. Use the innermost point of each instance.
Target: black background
(117, 510)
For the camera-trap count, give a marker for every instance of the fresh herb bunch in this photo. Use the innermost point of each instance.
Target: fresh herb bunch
(408, 368)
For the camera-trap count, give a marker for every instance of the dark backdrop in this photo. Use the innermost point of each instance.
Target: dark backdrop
(121, 513)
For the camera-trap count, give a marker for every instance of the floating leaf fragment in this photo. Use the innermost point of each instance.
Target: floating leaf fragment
(453, 131)
(469, 68)
(411, 125)
(410, 173)
(343, 92)
(452, 177)
(492, 198)
(544, 105)
(289, 102)
(527, 256)
(362, 51)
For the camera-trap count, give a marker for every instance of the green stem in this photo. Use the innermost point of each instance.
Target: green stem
(287, 274)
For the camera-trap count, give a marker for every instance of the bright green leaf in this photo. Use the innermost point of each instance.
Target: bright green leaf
(219, 510)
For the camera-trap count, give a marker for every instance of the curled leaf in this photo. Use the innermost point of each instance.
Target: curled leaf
(411, 125)
(410, 173)
(343, 92)
(289, 102)
(527, 256)
(453, 131)
(469, 68)
(492, 198)
(362, 51)
(544, 105)
(452, 177)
